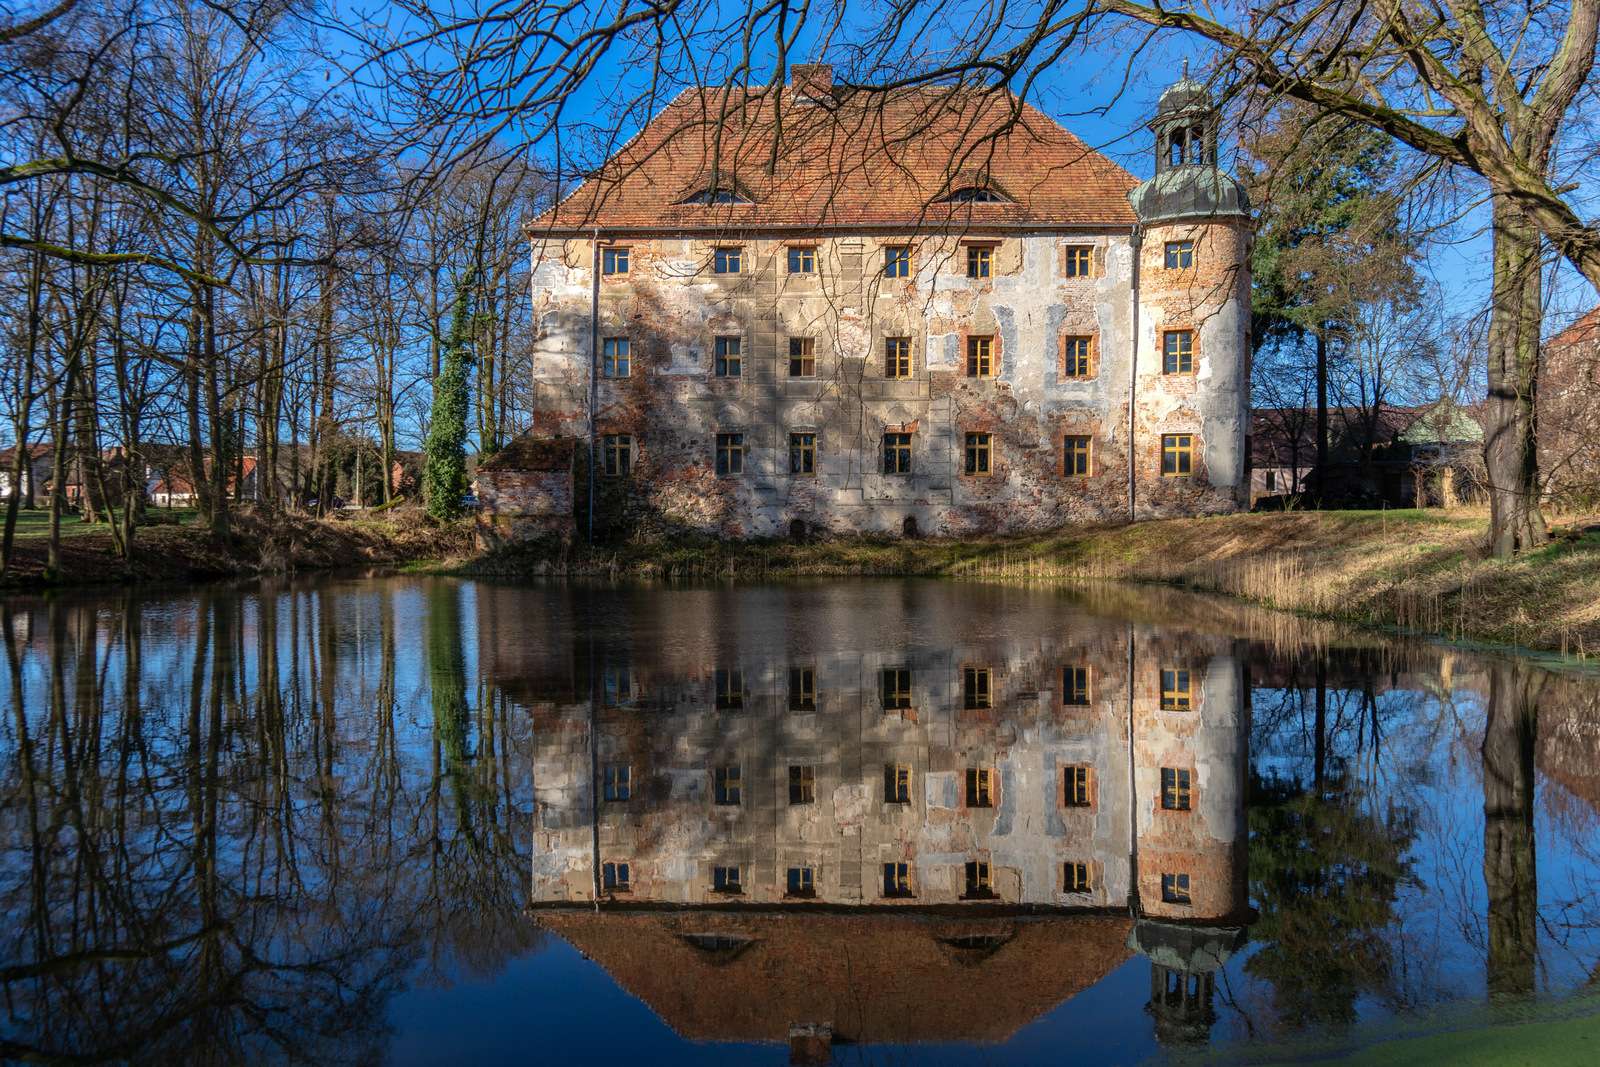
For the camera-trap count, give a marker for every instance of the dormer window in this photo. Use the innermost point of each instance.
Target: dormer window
(975, 194)
(718, 192)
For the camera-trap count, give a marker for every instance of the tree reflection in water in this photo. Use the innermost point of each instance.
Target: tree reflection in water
(223, 834)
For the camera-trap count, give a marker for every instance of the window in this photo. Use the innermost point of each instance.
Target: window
(897, 453)
(616, 877)
(896, 783)
(980, 787)
(727, 260)
(617, 682)
(897, 879)
(729, 362)
(1175, 692)
(802, 259)
(730, 453)
(1175, 149)
(730, 785)
(980, 261)
(726, 880)
(1075, 455)
(980, 357)
(616, 357)
(802, 785)
(974, 194)
(1174, 789)
(716, 195)
(1180, 254)
(802, 689)
(976, 685)
(1075, 362)
(897, 261)
(802, 453)
(1175, 889)
(730, 689)
(616, 452)
(617, 781)
(896, 688)
(978, 884)
(1177, 455)
(1075, 877)
(897, 357)
(802, 357)
(1079, 261)
(614, 261)
(1075, 687)
(1177, 352)
(801, 882)
(977, 453)
(1076, 792)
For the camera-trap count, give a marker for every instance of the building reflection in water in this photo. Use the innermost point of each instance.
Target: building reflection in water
(917, 818)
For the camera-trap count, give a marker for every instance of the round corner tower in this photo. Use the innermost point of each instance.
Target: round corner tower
(1191, 391)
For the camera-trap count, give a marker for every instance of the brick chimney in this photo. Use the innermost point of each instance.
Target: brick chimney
(811, 81)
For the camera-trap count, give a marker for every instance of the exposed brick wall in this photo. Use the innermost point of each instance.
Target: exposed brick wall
(516, 504)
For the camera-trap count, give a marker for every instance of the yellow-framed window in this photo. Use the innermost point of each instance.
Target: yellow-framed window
(1179, 255)
(980, 357)
(980, 261)
(895, 687)
(802, 259)
(1078, 261)
(1177, 352)
(1075, 686)
(896, 783)
(729, 357)
(897, 453)
(1075, 877)
(1177, 693)
(802, 689)
(802, 784)
(1177, 455)
(729, 785)
(980, 787)
(1077, 454)
(730, 454)
(977, 688)
(978, 453)
(1075, 785)
(897, 261)
(803, 453)
(897, 357)
(979, 883)
(802, 357)
(616, 454)
(1175, 789)
(1077, 356)
(616, 260)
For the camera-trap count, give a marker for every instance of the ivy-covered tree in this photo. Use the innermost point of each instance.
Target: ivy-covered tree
(444, 474)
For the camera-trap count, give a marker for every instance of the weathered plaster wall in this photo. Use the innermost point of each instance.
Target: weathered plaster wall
(514, 504)
(671, 307)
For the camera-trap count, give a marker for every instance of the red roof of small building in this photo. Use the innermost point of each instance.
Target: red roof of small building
(850, 158)
(1586, 328)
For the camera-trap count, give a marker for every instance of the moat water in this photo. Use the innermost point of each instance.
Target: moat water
(419, 820)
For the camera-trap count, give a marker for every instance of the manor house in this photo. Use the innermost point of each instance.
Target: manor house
(828, 307)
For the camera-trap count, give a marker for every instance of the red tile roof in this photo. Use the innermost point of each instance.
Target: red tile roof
(861, 158)
(1585, 329)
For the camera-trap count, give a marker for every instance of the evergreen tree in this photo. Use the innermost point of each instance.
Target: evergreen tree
(444, 475)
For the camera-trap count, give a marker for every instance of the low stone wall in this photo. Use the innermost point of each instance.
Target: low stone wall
(514, 505)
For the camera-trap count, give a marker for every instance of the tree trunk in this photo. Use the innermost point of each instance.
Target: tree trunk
(1510, 436)
(1509, 871)
(1322, 416)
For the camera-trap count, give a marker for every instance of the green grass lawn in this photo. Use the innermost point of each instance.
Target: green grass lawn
(36, 523)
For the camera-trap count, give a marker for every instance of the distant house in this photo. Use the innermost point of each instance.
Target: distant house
(1568, 417)
(1392, 455)
(35, 472)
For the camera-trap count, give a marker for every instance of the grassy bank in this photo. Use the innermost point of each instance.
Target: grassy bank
(1417, 570)
(175, 548)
